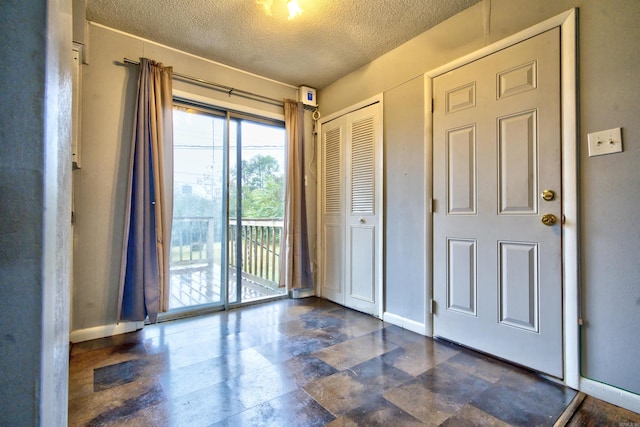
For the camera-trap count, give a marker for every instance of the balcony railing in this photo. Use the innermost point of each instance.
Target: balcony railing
(258, 248)
(196, 255)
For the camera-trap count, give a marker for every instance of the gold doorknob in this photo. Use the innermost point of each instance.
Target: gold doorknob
(548, 219)
(548, 195)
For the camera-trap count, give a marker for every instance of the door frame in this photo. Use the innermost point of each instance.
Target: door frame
(379, 195)
(567, 22)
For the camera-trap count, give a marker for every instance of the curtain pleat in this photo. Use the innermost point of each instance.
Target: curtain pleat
(295, 259)
(144, 278)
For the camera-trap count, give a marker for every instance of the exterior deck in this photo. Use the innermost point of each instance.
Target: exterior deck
(197, 285)
(196, 270)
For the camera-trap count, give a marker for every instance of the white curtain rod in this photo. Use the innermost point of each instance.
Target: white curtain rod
(221, 88)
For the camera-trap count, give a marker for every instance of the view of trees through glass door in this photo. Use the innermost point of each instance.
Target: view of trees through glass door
(228, 208)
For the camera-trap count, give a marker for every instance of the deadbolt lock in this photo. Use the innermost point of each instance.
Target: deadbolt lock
(548, 195)
(548, 219)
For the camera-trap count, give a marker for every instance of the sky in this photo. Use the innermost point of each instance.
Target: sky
(198, 142)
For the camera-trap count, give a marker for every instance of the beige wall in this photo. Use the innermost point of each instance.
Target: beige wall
(109, 92)
(609, 52)
(404, 201)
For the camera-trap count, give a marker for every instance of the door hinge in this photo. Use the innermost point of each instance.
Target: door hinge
(431, 203)
(433, 103)
(563, 219)
(432, 306)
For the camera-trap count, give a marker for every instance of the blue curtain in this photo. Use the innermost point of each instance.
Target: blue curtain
(144, 278)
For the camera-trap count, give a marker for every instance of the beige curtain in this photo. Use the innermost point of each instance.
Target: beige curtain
(295, 270)
(144, 277)
(163, 169)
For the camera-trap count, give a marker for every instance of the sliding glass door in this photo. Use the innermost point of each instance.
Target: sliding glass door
(197, 268)
(257, 154)
(228, 208)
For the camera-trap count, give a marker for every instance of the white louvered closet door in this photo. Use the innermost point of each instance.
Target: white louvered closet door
(332, 206)
(352, 217)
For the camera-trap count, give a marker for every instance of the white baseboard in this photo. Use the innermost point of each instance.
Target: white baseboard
(87, 334)
(611, 394)
(403, 322)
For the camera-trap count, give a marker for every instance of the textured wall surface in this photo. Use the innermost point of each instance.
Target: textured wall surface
(21, 191)
(405, 193)
(35, 164)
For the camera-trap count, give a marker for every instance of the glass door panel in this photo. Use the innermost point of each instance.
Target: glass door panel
(257, 167)
(196, 265)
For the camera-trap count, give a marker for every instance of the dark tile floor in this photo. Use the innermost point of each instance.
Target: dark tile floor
(302, 363)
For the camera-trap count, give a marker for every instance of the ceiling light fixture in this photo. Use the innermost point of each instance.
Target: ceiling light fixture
(292, 5)
(294, 9)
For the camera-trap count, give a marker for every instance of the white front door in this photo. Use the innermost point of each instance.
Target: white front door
(497, 170)
(351, 203)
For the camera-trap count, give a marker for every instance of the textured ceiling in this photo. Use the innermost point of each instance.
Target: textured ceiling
(329, 40)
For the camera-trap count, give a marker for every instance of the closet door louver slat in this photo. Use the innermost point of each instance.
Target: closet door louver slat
(362, 167)
(332, 178)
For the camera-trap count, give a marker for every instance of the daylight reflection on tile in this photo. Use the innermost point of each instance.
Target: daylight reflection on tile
(292, 409)
(204, 407)
(186, 379)
(304, 362)
(262, 385)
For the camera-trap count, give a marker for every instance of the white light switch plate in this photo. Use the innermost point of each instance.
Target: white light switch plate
(605, 142)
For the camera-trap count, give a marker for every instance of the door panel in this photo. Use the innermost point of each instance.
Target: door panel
(362, 280)
(363, 277)
(518, 286)
(461, 166)
(332, 267)
(333, 255)
(517, 163)
(517, 80)
(497, 276)
(461, 283)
